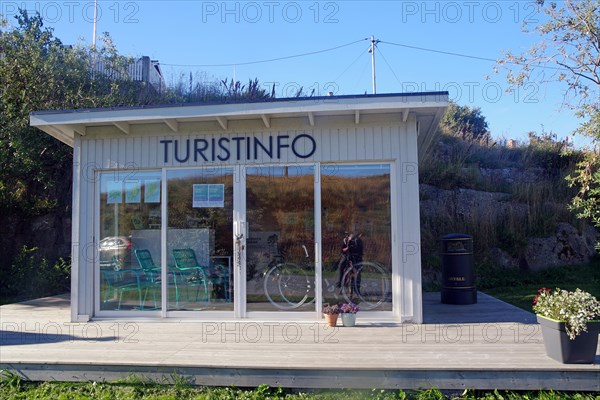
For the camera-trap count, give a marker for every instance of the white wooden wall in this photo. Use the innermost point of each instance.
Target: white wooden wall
(337, 141)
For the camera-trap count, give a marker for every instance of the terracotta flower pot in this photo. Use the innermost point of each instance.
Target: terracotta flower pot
(581, 350)
(331, 319)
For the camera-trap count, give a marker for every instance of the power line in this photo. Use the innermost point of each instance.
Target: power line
(440, 51)
(450, 53)
(464, 55)
(389, 66)
(362, 73)
(266, 61)
(362, 53)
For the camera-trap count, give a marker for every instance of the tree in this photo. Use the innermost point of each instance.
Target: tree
(568, 53)
(37, 73)
(40, 73)
(466, 122)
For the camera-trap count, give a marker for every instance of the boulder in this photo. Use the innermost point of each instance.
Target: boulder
(566, 247)
(502, 259)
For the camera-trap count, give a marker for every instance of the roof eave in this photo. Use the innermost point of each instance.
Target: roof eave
(64, 125)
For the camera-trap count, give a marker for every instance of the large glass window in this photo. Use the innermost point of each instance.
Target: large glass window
(200, 239)
(280, 268)
(129, 245)
(279, 248)
(356, 229)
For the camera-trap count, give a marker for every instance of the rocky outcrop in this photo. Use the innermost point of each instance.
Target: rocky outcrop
(502, 259)
(566, 247)
(468, 204)
(509, 176)
(448, 209)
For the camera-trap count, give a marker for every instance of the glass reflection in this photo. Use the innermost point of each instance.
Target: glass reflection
(356, 228)
(280, 245)
(129, 246)
(200, 239)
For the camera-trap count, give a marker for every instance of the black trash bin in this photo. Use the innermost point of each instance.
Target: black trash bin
(458, 271)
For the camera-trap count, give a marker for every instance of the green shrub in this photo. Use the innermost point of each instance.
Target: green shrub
(30, 276)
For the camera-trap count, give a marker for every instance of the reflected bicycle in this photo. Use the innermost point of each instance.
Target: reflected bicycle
(287, 286)
(365, 283)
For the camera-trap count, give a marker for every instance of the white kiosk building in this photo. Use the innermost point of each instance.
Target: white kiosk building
(240, 210)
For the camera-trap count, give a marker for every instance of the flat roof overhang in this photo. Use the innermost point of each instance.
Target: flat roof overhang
(427, 107)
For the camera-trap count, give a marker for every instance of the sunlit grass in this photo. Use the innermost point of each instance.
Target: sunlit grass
(176, 387)
(519, 287)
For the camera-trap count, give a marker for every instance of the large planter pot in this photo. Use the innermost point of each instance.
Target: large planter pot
(331, 319)
(581, 350)
(348, 319)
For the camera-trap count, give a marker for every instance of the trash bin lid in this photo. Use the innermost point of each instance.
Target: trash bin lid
(457, 236)
(457, 243)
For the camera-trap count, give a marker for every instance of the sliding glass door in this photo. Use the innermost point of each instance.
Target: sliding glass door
(242, 241)
(200, 239)
(357, 235)
(280, 259)
(129, 269)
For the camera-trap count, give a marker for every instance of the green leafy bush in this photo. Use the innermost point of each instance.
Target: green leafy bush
(31, 276)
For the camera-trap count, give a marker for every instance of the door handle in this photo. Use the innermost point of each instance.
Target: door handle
(240, 249)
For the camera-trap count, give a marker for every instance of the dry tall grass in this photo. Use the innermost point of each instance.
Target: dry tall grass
(531, 174)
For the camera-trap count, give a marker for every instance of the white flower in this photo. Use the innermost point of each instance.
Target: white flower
(574, 308)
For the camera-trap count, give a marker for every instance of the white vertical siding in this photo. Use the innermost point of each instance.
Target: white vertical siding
(144, 150)
(76, 294)
(410, 227)
(396, 142)
(332, 152)
(103, 161)
(84, 215)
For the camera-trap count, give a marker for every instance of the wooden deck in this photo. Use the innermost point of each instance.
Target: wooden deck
(485, 346)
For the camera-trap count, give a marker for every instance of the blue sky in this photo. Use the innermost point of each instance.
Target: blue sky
(187, 35)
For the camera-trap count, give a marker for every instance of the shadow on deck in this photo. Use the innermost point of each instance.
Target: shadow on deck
(487, 310)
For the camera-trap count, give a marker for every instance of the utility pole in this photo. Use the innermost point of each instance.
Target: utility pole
(372, 51)
(95, 21)
(93, 55)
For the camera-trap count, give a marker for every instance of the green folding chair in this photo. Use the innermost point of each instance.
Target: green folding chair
(120, 281)
(200, 276)
(151, 273)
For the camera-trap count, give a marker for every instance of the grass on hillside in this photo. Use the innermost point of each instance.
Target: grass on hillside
(519, 287)
(534, 182)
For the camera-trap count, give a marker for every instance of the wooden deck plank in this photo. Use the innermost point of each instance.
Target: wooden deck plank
(493, 351)
(313, 378)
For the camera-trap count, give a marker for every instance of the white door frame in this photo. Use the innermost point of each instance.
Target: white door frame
(240, 231)
(288, 315)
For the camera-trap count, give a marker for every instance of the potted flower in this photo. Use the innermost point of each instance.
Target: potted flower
(348, 311)
(331, 313)
(570, 325)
